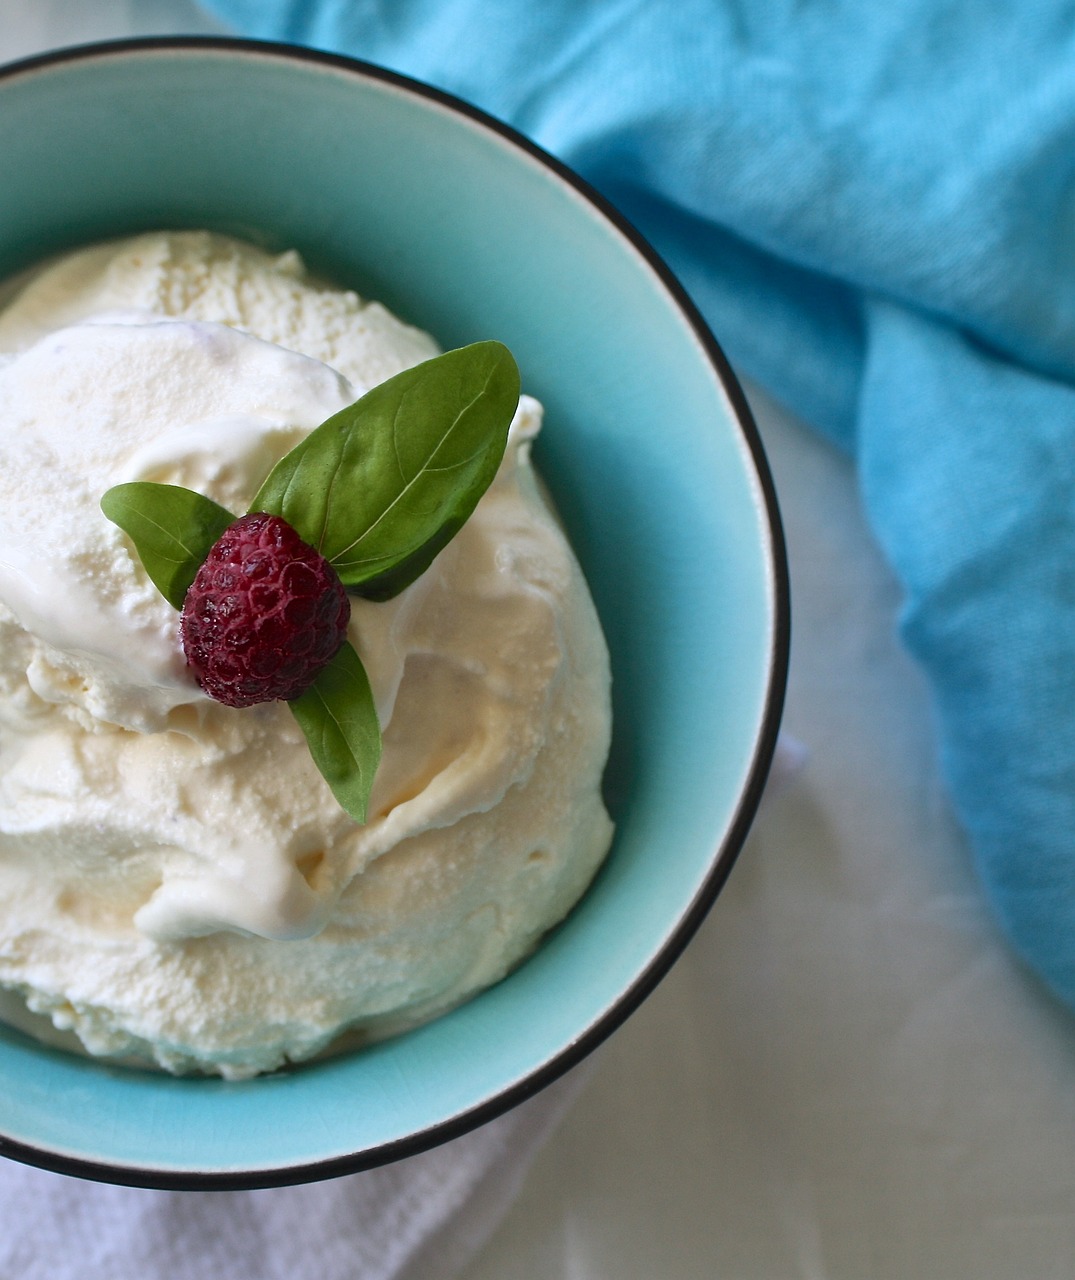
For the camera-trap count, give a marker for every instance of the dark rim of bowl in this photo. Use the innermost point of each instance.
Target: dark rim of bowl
(724, 855)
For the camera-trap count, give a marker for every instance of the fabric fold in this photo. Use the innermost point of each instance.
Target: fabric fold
(420, 1218)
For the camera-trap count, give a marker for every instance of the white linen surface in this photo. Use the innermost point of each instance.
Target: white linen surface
(418, 1219)
(846, 1076)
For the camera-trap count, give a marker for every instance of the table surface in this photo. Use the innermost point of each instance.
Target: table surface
(846, 1075)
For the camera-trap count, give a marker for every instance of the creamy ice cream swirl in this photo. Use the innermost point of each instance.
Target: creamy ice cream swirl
(176, 879)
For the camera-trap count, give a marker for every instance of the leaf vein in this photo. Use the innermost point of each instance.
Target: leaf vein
(410, 483)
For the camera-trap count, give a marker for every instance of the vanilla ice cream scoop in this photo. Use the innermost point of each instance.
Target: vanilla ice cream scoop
(177, 883)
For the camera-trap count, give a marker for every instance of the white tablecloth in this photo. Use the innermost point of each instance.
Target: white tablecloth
(847, 1075)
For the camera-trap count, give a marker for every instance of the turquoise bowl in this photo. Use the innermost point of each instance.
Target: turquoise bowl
(466, 229)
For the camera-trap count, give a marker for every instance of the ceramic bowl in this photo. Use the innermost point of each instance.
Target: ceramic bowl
(465, 228)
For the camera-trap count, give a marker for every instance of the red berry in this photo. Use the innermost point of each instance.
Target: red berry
(263, 615)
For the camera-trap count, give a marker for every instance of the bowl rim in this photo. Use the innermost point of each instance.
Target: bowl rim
(727, 849)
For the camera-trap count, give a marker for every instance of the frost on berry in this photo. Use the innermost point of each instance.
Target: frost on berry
(263, 615)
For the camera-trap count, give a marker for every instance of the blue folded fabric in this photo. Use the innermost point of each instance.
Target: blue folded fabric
(874, 206)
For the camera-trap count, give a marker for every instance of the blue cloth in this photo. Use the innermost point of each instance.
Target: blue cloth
(874, 206)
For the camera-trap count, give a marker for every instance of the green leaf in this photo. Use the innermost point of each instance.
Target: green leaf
(339, 720)
(381, 487)
(173, 529)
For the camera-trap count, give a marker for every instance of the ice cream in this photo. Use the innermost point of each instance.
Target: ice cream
(177, 883)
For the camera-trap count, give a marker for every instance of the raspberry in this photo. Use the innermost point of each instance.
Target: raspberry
(263, 615)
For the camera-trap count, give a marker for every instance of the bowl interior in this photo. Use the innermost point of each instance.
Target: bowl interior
(466, 233)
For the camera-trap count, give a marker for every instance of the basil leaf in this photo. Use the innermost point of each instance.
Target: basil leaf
(339, 720)
(381, 487)
(173, 530)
